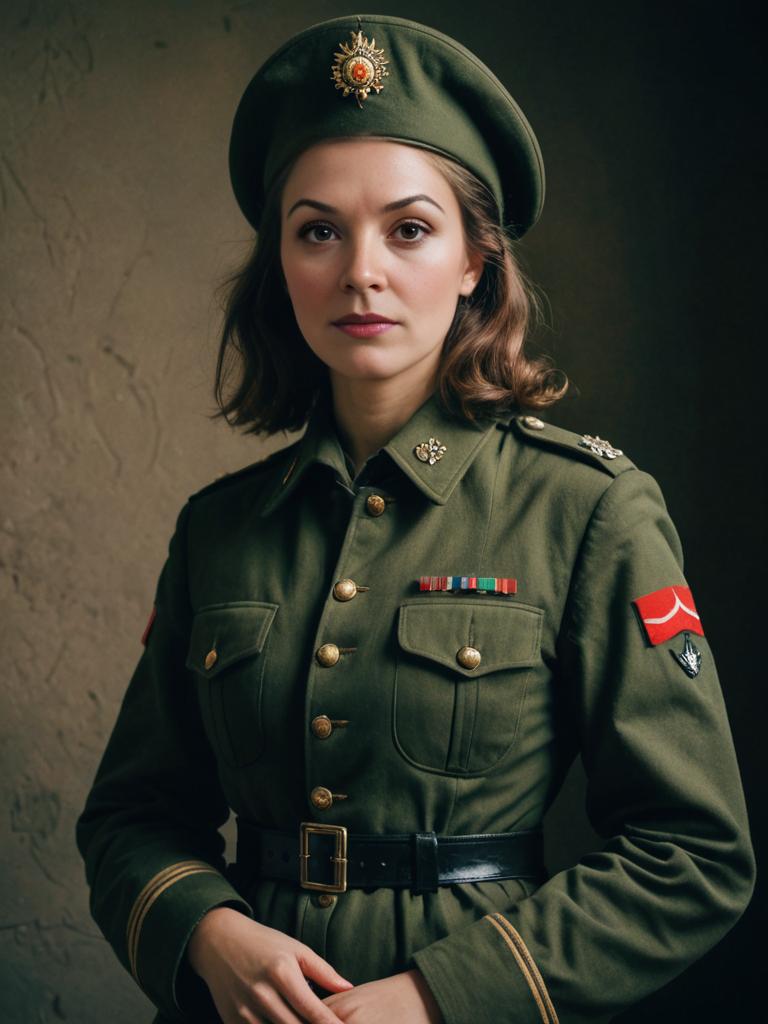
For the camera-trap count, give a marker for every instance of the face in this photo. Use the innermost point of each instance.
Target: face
(371, 228)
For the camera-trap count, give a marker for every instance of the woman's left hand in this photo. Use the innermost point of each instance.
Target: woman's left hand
(404, 997)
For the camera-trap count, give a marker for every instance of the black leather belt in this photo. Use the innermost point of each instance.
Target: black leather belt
(328, 858)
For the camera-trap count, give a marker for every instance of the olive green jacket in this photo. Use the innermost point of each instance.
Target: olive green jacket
(222, 713)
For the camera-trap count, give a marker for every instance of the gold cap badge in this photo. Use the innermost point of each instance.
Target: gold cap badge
(359, 67)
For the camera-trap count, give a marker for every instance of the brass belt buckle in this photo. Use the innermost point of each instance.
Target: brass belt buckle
(339, 858)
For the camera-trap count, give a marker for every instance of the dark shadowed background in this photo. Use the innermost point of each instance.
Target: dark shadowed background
(117, 223)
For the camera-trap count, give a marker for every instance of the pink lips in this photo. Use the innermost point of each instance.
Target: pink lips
(364, 325)
(365, 330)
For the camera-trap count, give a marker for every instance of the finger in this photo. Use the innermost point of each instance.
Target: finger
(293, 986)
(320, 970)
(275, 1007)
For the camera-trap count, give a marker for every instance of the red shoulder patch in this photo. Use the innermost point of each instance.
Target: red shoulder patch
(148, 627)
(667, 612)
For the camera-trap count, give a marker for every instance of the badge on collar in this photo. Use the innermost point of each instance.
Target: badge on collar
(667, 612)
(430, 451)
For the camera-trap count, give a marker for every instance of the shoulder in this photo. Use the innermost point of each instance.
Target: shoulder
(248, 476)
(595, 481)
(582, 449)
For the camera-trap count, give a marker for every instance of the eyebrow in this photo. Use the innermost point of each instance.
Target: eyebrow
(396, 205)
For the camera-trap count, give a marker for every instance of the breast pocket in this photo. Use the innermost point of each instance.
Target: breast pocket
(448, 716)
(228, 651)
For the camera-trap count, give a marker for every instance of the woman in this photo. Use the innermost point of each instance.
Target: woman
(388, 730)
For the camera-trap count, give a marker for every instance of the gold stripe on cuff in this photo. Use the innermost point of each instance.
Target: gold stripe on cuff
(527, 966)
(151, 884)
(149, 894)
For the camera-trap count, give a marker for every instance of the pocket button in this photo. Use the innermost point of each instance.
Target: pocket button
(468, 657)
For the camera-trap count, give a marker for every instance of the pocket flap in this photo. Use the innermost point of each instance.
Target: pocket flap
(506, 635)
(229, 632)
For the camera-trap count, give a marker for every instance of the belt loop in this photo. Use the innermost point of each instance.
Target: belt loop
(425, 868)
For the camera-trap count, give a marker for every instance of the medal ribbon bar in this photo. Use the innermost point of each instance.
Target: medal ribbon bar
(481, 584)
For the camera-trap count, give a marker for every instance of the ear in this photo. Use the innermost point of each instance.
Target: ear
(472, 272)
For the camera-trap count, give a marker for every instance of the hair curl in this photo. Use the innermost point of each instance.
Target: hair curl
(484, 370)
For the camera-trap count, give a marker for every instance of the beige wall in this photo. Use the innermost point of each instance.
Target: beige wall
(117, 221)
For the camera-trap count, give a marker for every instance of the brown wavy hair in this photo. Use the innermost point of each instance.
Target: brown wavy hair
(268, 378)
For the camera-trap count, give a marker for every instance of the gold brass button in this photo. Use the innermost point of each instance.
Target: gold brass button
(375, 505)
(327, 655)
(468, 657)
(325, 899)
(533, 422)
(344, 590)
(321, 798)
(322, 726)
(211, 658)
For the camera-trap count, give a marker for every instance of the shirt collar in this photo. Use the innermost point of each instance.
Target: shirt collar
(431, 422)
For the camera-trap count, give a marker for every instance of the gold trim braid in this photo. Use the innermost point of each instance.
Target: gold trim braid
(527, 966)
(144, 902)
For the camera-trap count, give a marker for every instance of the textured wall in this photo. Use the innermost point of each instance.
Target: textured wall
(117, 222)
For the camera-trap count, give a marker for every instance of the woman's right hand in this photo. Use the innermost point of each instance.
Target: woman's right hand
(257, 975)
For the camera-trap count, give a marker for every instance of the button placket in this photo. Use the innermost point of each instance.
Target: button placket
(332, 671)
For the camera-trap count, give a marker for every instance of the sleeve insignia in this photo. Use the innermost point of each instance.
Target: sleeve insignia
(667, 612)
(689, 659)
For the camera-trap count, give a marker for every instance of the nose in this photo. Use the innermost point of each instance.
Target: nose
(363, 264)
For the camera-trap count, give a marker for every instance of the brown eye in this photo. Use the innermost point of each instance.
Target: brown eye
(412, 231)
(324, 232)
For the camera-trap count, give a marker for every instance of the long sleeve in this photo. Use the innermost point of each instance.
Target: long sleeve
(149, 831)
(664, 791)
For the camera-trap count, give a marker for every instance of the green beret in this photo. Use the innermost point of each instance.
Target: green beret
(373, 74)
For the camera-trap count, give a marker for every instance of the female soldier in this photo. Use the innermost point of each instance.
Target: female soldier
(383, 645)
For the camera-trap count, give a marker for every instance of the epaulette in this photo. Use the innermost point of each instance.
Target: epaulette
(595, 451)
(261, 465)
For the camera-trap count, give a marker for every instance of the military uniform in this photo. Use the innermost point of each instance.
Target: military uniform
(408, 661)
(299, 668)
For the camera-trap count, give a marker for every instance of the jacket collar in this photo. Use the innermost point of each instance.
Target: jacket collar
(320, 444)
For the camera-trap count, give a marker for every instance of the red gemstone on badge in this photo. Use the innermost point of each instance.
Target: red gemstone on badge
(148, 627)
(667, 612)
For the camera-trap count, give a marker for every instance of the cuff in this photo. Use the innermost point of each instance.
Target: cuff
(161, 922)
(485, 973)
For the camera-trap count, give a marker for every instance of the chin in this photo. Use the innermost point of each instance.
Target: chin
(367, 364)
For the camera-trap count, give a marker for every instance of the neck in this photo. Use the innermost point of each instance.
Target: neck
(369, 413)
